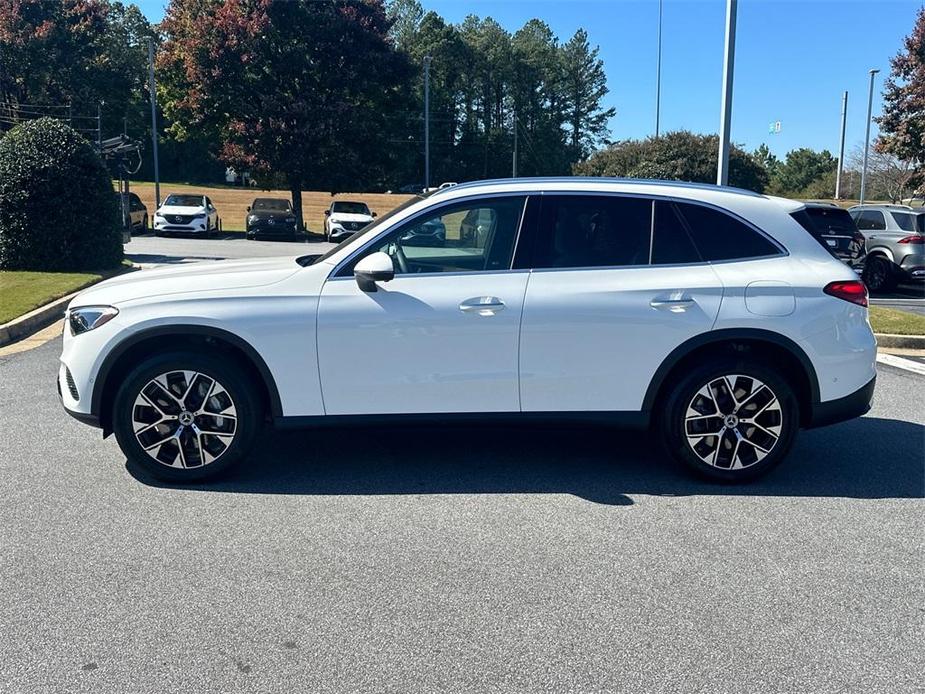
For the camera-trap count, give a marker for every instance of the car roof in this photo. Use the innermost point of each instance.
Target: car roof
(349, 202)
(744, 202)
(887, 207)
(256, 200)
(816, 204)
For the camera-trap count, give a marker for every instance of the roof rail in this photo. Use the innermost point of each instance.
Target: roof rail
(600, 179)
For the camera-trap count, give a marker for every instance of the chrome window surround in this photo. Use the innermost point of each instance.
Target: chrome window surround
(782, 251)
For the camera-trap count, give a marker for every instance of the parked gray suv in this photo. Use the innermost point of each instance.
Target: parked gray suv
(895, 237)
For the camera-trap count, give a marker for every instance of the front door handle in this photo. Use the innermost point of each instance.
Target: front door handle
(482, 305)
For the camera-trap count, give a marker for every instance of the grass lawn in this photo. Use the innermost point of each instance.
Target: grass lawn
(890, 320)
(232, 202)
(21, 291)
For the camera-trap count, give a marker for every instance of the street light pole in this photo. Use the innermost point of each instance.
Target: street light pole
(514, 163)
(725, 124)
(870, 104)
(427, 60)
(658, 71)
(841, 146)
(157, 173)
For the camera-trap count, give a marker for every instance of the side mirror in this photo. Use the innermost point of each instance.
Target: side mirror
(376, 267)
(248, 208)
(374, 214)
(327, 213)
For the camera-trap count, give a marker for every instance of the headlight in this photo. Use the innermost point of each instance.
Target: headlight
(252, 218)
(201, 215)
(290, 220)
(89, 317)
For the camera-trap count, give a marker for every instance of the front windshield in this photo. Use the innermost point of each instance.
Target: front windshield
(271, 204)
(370, 228)
(184, 200)
(350, 208)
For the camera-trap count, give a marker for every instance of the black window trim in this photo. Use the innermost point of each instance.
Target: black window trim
(340, 270)
(673, 200)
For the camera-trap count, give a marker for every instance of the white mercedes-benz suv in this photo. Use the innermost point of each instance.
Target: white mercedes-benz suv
(186, 214)
(709, 314)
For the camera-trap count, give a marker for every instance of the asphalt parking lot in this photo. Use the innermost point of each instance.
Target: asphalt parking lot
(147, 249)
(456, 559)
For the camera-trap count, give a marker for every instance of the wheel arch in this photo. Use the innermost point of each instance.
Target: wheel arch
(126, 354)
(740, 342)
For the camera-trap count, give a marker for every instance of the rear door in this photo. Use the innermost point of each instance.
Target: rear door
(616, 285)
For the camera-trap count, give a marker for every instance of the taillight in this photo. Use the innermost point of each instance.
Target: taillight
(913, 239)
(853, 291)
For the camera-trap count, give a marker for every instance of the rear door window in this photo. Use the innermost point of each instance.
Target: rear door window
(871, 220)
(671, 242)
(719, 236)
(582, 231)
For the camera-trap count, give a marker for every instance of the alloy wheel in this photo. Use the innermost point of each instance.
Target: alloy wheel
(184, 419)
(733, 422)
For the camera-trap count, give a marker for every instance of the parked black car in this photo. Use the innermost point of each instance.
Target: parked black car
(833, 227)
(136, 214)
(270, 217)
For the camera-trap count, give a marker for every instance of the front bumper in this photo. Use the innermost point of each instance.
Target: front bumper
(853, 405)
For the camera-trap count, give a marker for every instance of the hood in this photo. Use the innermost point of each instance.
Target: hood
(191, 277)
(180, 209)
(348, 217)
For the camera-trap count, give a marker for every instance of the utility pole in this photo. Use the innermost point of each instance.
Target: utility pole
(157, 173)
(427, 60)
(725, 124)
(99, 128)
(841, 146)
(870, 104)
(514, 167)
(658, 71)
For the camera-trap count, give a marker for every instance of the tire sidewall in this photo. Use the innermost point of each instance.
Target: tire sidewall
(671, 423)
(240, 390)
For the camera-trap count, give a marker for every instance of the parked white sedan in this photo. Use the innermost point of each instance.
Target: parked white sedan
(186, 214)
(707, 313)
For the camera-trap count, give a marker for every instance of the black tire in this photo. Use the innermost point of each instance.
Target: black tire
(144, 223)
(229, 449)
(879, 274)
(710, 456)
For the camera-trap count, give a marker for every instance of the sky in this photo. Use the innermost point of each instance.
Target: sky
(793, 60)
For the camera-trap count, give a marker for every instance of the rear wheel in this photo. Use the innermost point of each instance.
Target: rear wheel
(878, 274)
(183, 417)
(730, 420)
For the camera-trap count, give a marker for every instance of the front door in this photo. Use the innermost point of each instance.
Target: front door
(442, 335)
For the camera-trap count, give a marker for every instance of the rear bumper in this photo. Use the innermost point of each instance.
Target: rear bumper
(853, 405)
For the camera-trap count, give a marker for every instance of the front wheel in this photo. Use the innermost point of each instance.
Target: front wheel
(183, 417)
(730, 420)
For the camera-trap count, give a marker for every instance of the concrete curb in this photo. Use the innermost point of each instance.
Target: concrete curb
(900, 341)
(43, 316)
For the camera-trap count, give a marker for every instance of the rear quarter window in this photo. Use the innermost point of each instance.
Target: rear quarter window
(720, 236)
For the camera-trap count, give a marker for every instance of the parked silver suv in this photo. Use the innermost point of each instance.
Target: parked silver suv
(895, 243)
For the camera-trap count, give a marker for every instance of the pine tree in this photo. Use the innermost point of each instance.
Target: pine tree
(584, 88)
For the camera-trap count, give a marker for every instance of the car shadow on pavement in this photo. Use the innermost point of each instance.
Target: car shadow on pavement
(867, 458)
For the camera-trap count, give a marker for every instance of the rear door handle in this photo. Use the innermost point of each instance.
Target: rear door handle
(673, 305)
(482, 305)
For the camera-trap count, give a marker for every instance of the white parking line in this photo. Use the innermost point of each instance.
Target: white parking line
(900, 363)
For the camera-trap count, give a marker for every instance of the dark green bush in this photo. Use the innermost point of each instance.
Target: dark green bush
(58, 210)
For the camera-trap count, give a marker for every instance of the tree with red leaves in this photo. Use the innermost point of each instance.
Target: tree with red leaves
(295, 88)
(902, 125)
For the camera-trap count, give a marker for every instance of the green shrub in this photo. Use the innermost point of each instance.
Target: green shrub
(58, 210)
(679, 156)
